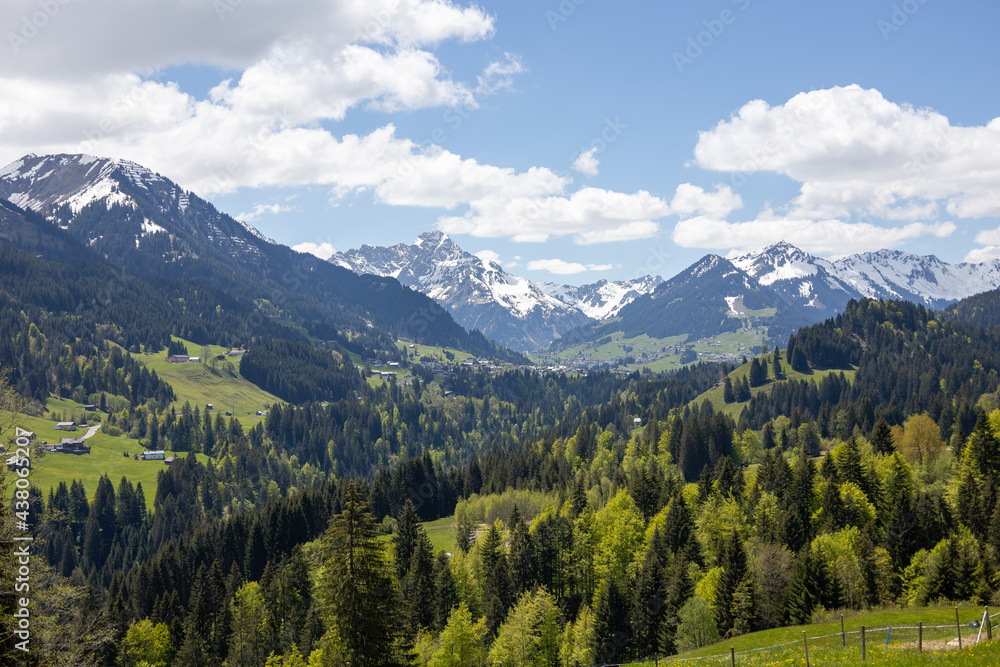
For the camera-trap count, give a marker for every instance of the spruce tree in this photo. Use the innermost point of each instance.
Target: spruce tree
(727, 391)
(357, 591)
(497, 596)
(613, 629)
(881, 437)
(445, 591)
(522, 555)
(649, 597)
(405, 537)
(733, 562)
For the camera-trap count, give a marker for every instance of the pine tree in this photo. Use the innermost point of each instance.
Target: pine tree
(613, 631)
(733, 562)
(679, 588)
(777, 372)
(743, 391)
(405, 537)
(881, 437)
(522, 555)
(357, 591)
(445, 590)
(647, 599)
(418, 585)
(727, 391)
(496, 576)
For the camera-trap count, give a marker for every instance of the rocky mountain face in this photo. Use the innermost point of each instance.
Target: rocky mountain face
(481, 295)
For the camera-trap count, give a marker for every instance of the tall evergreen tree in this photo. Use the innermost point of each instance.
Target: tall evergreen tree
(733, 562)
(357, 590)
(881, 437)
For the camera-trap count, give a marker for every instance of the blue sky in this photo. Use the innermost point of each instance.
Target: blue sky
(717, 125)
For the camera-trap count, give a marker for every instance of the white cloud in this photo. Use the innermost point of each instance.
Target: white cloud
(269, 125)
(587, 162)
(227, 33)
(690, 199)
(322, 250)
(984, 254)
(816, 236)
(590, 215)
(263, 209)
(563, 268)
(488, 256)
(854, 152)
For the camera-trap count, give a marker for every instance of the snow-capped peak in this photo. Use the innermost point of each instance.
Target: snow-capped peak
(780, 261)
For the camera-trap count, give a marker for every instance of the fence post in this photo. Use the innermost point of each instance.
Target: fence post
(862, 643)
(843, 635)
(805, 644)
(989, 625)
(958, 628)
(920, 637)
(732, 655)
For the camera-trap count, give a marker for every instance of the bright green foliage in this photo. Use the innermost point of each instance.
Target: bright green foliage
(146, 645)
(291, 659)
(578, 644)
(247, 644)
(697, 625)
(621, 536)
(462, 641)
(531, 634)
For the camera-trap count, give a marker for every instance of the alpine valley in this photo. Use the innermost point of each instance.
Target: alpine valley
(238, 454)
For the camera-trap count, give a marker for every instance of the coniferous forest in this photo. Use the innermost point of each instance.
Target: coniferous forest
(593, 518)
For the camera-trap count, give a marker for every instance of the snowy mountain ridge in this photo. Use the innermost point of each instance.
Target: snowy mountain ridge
(885, 274)
(480, 294)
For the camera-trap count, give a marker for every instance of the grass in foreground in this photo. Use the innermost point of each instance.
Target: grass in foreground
(784, 645)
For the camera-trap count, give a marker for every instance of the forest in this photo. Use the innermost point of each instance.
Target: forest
(579, 537)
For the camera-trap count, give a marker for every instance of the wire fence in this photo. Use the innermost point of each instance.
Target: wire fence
(855, 645)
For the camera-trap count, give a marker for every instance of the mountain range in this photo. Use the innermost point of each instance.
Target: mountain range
(124, 214)
(784, 288)
(481, 295)
(62, 206)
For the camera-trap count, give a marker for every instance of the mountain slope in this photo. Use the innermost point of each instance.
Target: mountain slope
(481, 295)
(142, 221)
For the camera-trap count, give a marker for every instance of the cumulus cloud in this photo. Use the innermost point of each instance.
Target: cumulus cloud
(587, 163)
(269, 124)
(322, 250)
(690, 199)
(871, 173)
(590, 215)
(563, 268)
(488, 256)
(834, 237)
(854, 151)
(124, 36)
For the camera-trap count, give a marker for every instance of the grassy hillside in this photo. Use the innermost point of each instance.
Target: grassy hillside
(105, 457)
(785, 646)
(439, 353)
(715, 395)
(200, 383)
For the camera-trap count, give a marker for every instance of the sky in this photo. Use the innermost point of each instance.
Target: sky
(571, 140)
